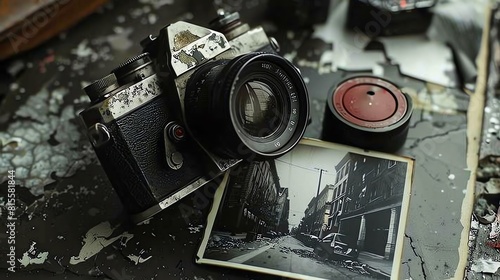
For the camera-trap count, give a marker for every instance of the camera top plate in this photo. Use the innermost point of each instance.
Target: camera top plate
(190, 45)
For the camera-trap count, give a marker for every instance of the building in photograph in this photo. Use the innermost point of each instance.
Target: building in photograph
(307, 223)
(324, 207)
(282, 211)
(318, 211)
(254, 201)
(371, 203)
(339, 190)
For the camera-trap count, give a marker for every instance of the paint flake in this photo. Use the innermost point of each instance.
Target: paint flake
(41, 140)
(485, 266)
(138, 259)
(96, 239)
(33, 256)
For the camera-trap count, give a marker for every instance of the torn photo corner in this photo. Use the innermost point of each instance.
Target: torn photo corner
(322, 211)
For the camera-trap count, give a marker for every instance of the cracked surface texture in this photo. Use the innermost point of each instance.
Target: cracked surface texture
(43, 139)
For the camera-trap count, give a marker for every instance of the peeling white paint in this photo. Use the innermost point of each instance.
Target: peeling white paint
(83, 50)
(348, 47)
(96, 239)
(26, 145)
(195, 229)
(32, 256)
(485, 266)
(138, 259)
(290, 56)
(157, 3)
(152, 18)
(324, 65)
(120, 41)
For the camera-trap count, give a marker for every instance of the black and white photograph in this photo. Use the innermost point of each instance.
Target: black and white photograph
(322, 211)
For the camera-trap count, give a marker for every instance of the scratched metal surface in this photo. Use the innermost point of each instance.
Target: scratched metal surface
(70, 221)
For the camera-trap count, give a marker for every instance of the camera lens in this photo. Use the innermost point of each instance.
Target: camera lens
(259, 109)
(255, 105)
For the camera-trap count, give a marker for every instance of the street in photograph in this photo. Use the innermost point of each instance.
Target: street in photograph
(320, 211)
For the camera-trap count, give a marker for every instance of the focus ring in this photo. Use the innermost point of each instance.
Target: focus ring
(198, 102)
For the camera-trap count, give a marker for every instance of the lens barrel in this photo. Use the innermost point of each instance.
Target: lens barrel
(253, 106)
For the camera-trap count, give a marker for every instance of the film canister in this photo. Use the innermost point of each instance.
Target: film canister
(367, 112)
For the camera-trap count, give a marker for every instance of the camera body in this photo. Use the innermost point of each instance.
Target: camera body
(168, 121)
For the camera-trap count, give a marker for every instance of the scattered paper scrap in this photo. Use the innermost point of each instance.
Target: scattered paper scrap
(485, 266)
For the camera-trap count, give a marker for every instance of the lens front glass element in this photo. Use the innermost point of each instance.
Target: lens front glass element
(267, 105)
(253, 106)
(260, 108)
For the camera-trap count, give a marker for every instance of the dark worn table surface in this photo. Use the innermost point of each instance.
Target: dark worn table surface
(70, 223)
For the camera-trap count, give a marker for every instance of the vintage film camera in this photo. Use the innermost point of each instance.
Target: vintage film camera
(195, 103)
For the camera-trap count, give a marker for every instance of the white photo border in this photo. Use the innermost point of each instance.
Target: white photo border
(397, 261)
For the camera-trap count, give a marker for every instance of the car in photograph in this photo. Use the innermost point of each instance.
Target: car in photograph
(311, 240)
(337, 246)
(308, 240)
(270, 234)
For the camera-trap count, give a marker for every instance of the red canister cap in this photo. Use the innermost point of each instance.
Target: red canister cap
(369, 102)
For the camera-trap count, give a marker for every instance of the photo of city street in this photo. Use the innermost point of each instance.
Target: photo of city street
(318, 212)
